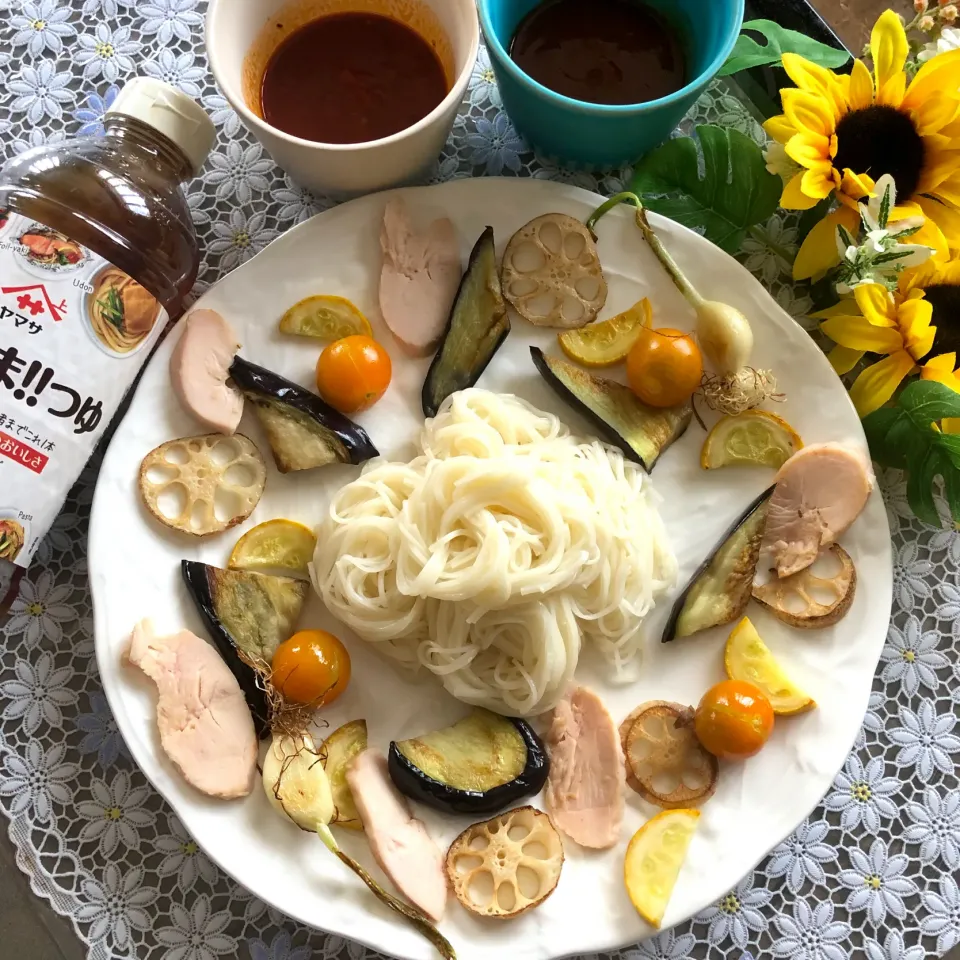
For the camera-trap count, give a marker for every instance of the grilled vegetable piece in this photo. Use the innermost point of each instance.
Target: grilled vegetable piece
(720, 590)
(338, 752)
(641, 432)
(792, 599)
(304, 431)
(477, 328)
(525, 840)
(296, 782)
(480, 765)
(246, 612)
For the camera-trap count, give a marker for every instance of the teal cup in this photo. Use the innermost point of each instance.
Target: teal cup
(595, 136)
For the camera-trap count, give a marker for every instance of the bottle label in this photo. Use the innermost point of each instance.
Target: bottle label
(74, 332)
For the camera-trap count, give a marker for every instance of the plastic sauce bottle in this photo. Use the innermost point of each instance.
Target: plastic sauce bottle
(97, 253)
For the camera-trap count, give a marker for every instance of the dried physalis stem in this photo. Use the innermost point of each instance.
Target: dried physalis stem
(747, 390)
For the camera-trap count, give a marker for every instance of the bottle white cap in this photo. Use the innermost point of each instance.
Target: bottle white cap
(171, 112)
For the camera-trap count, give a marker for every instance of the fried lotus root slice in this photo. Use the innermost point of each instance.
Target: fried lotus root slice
(203, 485)
(793, 599)
(666, 764)
(552, 275)
(505, 866)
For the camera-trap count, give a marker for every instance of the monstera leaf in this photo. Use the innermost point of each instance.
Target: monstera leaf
(721, 194)
(747, 53)
(907, 437)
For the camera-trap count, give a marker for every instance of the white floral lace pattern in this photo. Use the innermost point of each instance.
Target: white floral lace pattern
(870, 874)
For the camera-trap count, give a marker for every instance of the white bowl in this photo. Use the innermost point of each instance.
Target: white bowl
(240, 38)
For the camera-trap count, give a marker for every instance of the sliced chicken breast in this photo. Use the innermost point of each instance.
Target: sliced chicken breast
(400, 843)
(586, 784)
(205, 724)
(420, 277)
(820, 491)
(200, 368)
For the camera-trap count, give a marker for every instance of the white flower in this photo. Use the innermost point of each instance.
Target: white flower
(893, 949)
(737, 914)
(936, 827)
(576, 178)
(299, 203)
(446, 168)
(40, 91)
(618, 182)
(496, 145)
(483, 82)
(40, 611)
(183, 857)
(949, 610)
(912, 658)
(802, 856)
(910, 587)
(877, 884)
(222, 114)
(779, 163)
(197, 934)
(925, 740)
(872, 722)
(949, 541)
(38, 693)
(280, 949)
(199, 207)
(811, 934)
(110, 8)
(862, 795)
(666, 946)
(240, 238)
(948, 40)
(116, 906)
(107, 52)
(769, 250)
(102, 736)
(944, 920)
(37, 780)
(116, 813)
(169, 18)
(178, 71)
(42, 26)
(238, 171)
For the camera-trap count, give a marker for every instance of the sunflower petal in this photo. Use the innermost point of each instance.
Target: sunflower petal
(935, 112)
(941, 369)
(940, 165)
(914, 316)
(818, 252)
(860, 92)
(856, 185)
(819, 182)
(876, 385)
(858, 333)
(950, 425)
(876, 304)
(940, 73)
(794, 198)
(891, 93)
(843, 359)
(780, 128)
(808, 112)
(889, 47)
(809, 150)
(947, 221)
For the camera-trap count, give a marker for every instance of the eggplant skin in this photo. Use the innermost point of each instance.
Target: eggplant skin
(410, 780)
(196, 576)
(746, 565)
(477, 328)
(346, 441)
(621, 418)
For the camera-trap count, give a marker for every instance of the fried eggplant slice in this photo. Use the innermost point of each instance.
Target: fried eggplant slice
(641, 432)
(477, 328)
(721, 588)
(304, 431)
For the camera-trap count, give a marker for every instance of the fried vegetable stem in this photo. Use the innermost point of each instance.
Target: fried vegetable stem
(411, 913)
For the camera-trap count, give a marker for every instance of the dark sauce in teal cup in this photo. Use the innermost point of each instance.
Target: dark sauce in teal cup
(598, 136)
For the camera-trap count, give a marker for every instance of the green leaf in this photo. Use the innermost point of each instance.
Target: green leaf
(734, 192)
(747, 53)
(904, 436)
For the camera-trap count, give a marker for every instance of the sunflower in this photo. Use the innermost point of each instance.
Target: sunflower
(939, 282)
(845, 132)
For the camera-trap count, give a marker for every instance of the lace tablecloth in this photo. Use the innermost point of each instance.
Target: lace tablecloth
(872, 873)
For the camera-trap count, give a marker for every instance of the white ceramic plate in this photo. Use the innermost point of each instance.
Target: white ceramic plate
(134, 572)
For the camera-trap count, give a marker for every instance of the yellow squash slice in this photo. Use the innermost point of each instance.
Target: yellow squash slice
(277, 545)
(756, 438)
(325, 318)
(747, 657)
(604, 344)
(653, 861)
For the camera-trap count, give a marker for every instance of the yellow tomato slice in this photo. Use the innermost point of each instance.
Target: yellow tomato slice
(282, 545)
(604, 344)
(325, 318)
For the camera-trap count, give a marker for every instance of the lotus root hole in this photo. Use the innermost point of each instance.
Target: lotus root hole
(664, 782)
(518, 832)
(573, 245)
(160, 474)
(523, 287)
(480, 888)
(226, 504)
(654, 726)
(641, 750)
(223, 452)
(792, 602)
(695, 778)
(572, 310)
(541, 305)
(172, 501)
(822, 593)
(506, 896)
(536, 850)
(527, 257)
(528, 882)
(588, 288)
(467, 863)
(479, 842)
(194, 447)
(827, 565)
(199, 514)
(176, 454)
(551, 237)
(240, 475)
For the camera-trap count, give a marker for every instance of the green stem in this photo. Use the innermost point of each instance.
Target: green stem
(781, 251)
(662, 254)
(417, 919)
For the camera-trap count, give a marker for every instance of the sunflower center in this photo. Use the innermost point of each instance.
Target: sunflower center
(879, 140)
(945, 298)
